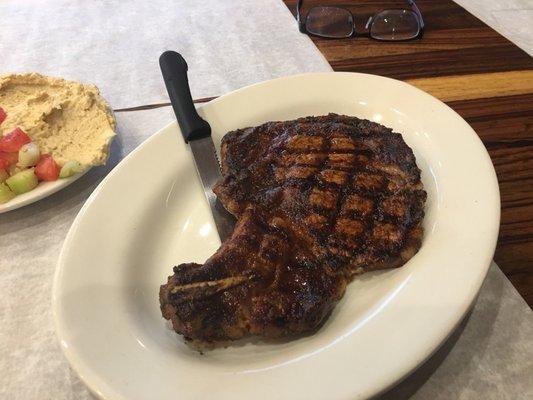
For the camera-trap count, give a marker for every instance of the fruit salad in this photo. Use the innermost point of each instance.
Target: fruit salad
(22, 166)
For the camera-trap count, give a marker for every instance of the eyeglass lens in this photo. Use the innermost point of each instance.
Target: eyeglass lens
(395, 25)
(332, 22)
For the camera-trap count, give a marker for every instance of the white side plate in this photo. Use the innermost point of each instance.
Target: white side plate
(44, 189)
(149, 214)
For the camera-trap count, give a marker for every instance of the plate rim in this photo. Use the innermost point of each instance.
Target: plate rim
(91, 379)
(60, 184)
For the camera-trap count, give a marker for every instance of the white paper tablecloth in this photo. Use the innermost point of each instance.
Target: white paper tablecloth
(115, 45)
(511, 18)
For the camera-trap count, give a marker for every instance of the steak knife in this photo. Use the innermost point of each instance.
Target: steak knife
(197, 133)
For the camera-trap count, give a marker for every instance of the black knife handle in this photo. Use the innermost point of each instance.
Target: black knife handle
(174, 70)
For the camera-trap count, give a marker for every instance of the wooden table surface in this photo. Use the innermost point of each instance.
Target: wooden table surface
(481, 75)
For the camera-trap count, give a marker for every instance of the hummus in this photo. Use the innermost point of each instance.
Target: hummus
(66, 119)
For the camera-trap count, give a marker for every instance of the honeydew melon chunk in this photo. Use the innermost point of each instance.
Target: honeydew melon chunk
(70, 168)
(23, 181)
(5, 193)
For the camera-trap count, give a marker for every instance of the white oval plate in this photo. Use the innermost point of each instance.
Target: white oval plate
(149, 214)
(44, 189)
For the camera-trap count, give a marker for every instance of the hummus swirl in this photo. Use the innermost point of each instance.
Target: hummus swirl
(66, 119)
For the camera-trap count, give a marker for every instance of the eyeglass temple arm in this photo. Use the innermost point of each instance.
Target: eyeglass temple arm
(417, 12)
(301, 22)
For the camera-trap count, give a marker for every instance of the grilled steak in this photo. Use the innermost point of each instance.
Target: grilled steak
(318, 200)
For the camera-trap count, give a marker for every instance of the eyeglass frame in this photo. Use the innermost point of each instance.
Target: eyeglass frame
(414, 9)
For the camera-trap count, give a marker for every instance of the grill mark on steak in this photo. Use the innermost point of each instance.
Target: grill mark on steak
(318, 200)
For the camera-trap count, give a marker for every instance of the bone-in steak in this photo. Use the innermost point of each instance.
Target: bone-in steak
(318, 200)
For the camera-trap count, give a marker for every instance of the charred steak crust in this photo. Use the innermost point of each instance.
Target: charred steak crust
(261, 282)
(318, 200)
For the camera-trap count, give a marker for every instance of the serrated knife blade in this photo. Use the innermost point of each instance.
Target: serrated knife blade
(197, 133)
(207, 166)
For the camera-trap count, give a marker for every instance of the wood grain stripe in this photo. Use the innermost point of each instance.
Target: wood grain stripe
(159, 105)
(477, 86)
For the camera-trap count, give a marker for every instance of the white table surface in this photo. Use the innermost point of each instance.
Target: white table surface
(511, 18)
(490, 357)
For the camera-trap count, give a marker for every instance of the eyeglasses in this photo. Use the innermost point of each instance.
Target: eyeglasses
(338, 22)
